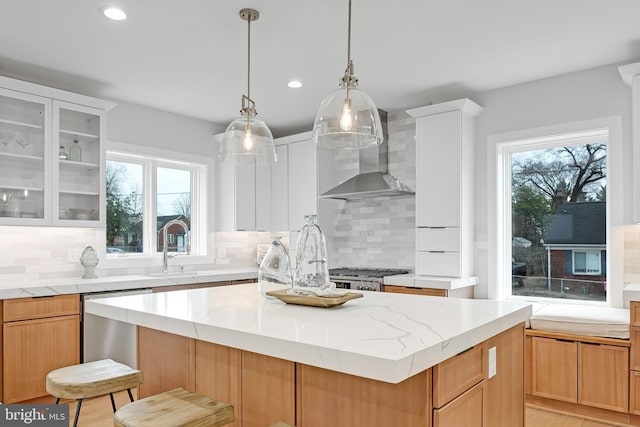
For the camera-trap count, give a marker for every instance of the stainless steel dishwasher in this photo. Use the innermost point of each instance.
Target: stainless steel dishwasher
(104, 338)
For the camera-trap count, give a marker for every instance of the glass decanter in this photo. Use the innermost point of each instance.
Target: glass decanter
(311, 257)
(275, 269)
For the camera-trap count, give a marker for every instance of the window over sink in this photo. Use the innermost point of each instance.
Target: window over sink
(147, 190)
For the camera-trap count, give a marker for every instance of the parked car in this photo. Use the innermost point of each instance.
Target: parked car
(114, 250)
(518, 271)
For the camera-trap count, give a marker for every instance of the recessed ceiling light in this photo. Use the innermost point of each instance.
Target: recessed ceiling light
(114, 13)
(294, 84)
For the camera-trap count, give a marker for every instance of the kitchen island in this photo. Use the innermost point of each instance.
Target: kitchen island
(385, 359)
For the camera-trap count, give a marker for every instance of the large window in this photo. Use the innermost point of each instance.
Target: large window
(145, 194)
(555, 195)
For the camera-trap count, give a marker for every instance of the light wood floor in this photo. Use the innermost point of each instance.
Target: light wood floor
(97, 412)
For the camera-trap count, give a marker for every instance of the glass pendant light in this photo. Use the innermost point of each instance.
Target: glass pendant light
(248, 139)
(348, 117)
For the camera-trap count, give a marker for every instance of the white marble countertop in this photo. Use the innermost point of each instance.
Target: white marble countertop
(11, 290)
(383, 336)
(433, 282)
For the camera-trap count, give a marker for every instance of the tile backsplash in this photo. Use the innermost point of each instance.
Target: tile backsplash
(43, 253)
(378, 232)
(632, 253)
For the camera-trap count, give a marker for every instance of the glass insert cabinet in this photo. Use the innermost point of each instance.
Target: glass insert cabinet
(52, 156)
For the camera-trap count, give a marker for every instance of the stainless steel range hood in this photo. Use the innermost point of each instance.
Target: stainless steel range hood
(374, 179)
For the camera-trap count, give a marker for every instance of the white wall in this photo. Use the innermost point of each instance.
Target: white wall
(579, 96)
(135, 124)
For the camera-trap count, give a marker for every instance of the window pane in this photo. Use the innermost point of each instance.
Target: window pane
(173, 202)
(124, 207)
(580, 260)
(558, 203)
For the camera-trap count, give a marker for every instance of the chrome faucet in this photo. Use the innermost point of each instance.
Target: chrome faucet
(165, 255)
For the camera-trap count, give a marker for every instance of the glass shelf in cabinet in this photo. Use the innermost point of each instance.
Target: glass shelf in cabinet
(15, 123)
(80, 193)
(84, 165)
(82, 136)
(24, 157)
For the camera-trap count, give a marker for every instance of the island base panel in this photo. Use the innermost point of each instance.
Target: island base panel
(218, 374)
(505, 391)
(328, 398)
(268, 390)
(166, 360)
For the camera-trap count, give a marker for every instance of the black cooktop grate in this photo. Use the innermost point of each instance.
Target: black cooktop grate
(365, 272)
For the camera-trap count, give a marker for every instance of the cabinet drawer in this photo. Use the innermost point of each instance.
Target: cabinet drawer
(40, 307)
(635, 314)
(438, 264)
(438, 239)
(467, 410)
(457, 374)
(415, 291)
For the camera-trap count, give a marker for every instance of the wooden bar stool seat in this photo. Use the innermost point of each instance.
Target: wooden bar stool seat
(174, 408)
(92, 379)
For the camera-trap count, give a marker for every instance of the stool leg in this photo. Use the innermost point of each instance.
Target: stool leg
(75, 420)
(57, 400)
(130, 395)
(113, 403)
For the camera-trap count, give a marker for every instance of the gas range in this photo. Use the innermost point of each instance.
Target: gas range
(365, 279)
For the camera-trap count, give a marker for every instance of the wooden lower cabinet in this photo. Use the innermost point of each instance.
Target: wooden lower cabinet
(357, 401)
(634, 393)
(554, 369)
(38, 335)
(264, 390)
(603, 373)
(261, 388)
(33, 348)
(268, 390)
(466, 410)
(415, 291)
(590, 373)
(219, 375)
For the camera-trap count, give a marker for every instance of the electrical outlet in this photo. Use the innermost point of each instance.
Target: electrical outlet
(222, 252)
(73, 255)
(492, 362)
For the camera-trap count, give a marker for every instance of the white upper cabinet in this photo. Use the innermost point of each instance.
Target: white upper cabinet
(303, 182)
(439, 170)
(78, 174)
(39, 183)
(444, 188)
(280, 190)
(268, 198)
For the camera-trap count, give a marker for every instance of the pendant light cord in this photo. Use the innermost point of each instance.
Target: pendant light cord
(349, 39)
(249, 58)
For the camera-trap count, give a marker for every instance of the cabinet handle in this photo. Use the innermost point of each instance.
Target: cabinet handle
(591, 343)
(43, 296)
(563, 340)
(436, 252)
(464, 351)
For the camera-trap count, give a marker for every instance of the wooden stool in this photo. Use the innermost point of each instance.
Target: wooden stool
(90, 380)
(174, 408)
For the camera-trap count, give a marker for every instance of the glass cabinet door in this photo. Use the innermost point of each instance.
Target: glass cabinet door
(24, 150)
(78, 174)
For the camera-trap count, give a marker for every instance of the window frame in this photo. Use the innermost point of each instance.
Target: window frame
(498, 165)
(201, 222)
(586, 272)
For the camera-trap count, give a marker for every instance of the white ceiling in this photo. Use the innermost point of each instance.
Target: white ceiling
(189, 56)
